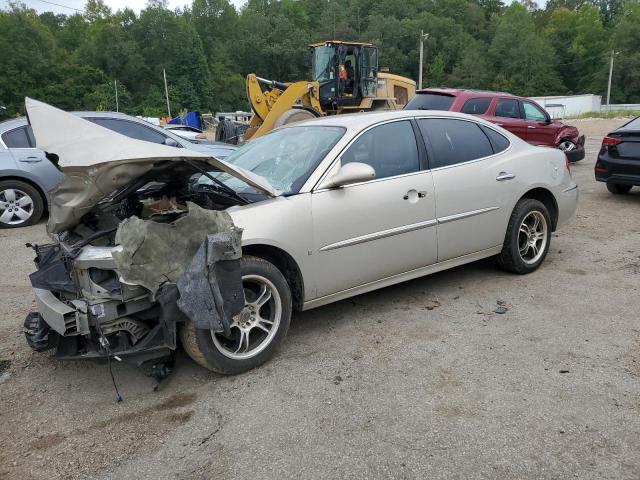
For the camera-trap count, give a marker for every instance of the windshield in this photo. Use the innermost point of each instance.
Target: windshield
(430, 101)
(285, 158)
(323, 63)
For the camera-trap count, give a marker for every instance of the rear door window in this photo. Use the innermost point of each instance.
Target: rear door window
(19, 138)
(430, 101)
(508, 108)
(454, 141)
(391, 149)
(476, 106)
(498, 141)
(130, 129)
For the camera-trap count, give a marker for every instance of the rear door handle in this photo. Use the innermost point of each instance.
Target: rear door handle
(530, 126)
(499, 124)
(31, 159)
(502, 176)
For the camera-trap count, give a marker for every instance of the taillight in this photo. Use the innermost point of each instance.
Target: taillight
(610, 142)
(600, 168)
(201, 136)
(568, 163)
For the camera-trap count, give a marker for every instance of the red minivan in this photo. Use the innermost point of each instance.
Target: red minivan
(521, 116)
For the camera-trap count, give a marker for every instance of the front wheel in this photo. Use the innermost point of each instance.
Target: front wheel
(528, 236)
(256, 331)
(618, 189)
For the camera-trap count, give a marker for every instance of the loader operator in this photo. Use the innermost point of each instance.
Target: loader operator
(349, 83)
(342, 78)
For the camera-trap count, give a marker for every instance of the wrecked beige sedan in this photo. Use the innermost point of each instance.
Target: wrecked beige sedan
(152, 242)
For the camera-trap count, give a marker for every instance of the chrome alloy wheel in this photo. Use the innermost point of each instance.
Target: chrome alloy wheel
(567, 146)
(16, 206)
(533, 237)
(253, 329)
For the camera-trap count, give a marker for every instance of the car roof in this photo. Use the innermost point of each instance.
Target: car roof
(363, 120)
(467, 92)
(12, 123)
(19, 121)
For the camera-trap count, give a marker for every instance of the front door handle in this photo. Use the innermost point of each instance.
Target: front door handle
(502, 176)
(31, 159)
(530, 126)
(499, 124)
(412, 194)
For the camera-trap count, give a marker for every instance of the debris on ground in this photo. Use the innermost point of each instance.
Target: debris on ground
(501, 307)
(431, 304)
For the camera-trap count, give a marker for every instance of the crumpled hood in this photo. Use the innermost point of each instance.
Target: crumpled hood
(97, 161)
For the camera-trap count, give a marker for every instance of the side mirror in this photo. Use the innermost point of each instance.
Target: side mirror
(170, 142)
(349, 173)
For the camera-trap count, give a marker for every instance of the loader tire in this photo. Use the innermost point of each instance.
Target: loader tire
(292, 116)
(227, 132)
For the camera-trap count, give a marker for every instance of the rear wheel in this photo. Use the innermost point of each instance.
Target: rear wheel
(528, 237)
(618, 189)
(256, 331)
(20, 204)
(292, 116)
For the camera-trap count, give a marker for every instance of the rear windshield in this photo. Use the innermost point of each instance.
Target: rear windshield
(430, 101)
(632, 125)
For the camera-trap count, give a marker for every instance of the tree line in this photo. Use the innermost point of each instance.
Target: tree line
(207, 49)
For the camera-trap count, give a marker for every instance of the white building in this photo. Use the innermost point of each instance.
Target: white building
(570, 105)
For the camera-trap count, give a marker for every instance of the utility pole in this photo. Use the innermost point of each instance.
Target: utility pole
(423, 38)
(609, 84)
(115, 85)
(166, 91)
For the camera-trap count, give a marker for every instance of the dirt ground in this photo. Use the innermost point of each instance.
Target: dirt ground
(419, 380)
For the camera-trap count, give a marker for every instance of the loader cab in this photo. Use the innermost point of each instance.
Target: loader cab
(347, 72)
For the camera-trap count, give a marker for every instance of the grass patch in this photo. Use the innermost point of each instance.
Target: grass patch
(606, 114)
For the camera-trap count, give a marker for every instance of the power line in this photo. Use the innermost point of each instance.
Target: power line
(61, 5)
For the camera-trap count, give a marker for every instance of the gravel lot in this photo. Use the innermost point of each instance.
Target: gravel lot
(420, 380)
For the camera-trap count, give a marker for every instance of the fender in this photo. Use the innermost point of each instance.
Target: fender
(566, 132)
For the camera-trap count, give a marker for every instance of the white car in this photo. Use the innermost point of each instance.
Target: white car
(184, 131)
(150, 244)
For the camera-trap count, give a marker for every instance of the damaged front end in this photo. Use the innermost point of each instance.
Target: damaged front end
(124, 294)
(141, 243)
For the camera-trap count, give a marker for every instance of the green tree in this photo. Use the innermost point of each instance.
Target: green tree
(523, 59)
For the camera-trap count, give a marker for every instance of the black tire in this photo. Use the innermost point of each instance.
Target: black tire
(618, 189)
(36, 207)
(227, 132)
(200, 346)
(510, 258)
(292, 116)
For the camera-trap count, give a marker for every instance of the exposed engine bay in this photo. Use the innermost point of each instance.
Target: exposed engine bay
(157, 252)
(142, 242)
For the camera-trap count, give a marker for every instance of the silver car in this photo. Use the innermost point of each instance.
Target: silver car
(222, 252)
(26, 175)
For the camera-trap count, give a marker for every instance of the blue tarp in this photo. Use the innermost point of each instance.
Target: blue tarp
(191, 119)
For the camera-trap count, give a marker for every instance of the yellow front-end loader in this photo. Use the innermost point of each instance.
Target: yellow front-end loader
(346, 79)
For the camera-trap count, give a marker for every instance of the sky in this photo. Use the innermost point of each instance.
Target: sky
(72, 6)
